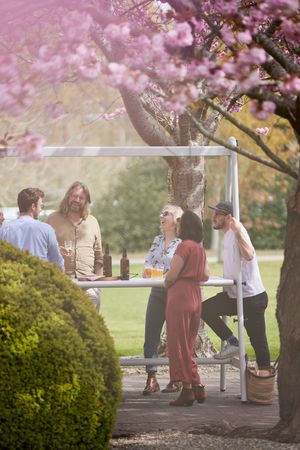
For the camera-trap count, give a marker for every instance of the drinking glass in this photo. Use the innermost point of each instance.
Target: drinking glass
(157, 272)
(69, 246)
(148, 272)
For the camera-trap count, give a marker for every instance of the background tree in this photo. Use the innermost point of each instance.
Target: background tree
(179, 68)
(129, 212)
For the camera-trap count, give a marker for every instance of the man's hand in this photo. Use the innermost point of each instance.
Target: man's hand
(234, 224)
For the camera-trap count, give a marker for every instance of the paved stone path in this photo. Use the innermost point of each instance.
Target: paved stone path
(138, 414)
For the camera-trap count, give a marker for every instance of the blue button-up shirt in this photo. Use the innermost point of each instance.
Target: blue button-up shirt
(37, 237)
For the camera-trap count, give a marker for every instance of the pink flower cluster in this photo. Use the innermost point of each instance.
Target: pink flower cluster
(71, 53)
(118, 75)
(262, 110)
(180, 36)
(55, 110)
(16, 92)
(263, 131)
(118, 112)
(29, 146)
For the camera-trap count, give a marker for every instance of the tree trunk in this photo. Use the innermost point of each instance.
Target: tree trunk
(186, 179)
(288, 316)
(186, 183)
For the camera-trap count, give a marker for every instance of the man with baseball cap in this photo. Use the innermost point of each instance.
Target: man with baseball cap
(238, 247)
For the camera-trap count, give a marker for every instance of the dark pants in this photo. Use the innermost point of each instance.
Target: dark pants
(254, 317)
(155, 318)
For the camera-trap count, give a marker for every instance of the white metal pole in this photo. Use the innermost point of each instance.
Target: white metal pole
(240, 312)
(228, 195)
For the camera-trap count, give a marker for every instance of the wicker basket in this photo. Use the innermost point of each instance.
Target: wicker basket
(261, 385)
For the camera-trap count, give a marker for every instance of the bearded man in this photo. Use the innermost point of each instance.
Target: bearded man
(238, 250)
(74, 223)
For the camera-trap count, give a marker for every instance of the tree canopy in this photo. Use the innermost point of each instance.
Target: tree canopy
(166, 58)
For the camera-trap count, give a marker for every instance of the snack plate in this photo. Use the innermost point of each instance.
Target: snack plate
(97, 278)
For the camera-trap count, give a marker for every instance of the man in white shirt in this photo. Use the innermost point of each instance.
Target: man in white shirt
(238, 247)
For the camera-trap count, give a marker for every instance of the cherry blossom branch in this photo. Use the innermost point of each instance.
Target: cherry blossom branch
(138, 5)
(144, 124)
(272, 49)
(257, 139)
(161, 117)
(243, 152)
(285, 106)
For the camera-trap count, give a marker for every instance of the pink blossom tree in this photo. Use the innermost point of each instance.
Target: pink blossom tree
(181, 66)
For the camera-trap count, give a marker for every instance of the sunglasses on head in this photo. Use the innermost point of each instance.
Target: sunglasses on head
(164, 213)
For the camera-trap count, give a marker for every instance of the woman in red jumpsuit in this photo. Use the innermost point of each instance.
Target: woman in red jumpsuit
(188, 267)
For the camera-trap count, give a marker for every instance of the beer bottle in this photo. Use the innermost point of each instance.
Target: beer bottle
(124, 266)
(107, 263)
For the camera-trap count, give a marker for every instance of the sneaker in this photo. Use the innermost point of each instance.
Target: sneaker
(227, 352)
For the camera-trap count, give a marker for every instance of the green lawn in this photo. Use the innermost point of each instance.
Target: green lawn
(124, 311)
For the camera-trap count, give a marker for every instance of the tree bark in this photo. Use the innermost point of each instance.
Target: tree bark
(288, 316)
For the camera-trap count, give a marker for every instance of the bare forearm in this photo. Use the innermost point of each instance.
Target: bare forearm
(243, 240)
(206, 273)
(246, 248)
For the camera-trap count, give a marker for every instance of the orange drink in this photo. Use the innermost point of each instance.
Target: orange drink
(148, 272)
(157, 272)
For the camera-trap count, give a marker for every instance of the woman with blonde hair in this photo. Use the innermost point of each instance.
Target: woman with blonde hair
(159, 256)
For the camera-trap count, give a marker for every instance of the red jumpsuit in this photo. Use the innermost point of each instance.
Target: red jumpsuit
(183, 312)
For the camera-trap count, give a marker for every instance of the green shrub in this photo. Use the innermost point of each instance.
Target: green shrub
(60, 380)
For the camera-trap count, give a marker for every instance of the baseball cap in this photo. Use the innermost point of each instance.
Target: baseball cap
(223, 208)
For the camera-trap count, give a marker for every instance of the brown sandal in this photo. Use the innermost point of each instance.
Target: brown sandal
(172, 387)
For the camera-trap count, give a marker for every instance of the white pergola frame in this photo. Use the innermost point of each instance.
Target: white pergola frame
(232, 193)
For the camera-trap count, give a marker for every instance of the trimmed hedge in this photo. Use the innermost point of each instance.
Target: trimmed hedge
(60, 381)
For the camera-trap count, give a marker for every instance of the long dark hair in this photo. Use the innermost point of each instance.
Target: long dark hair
(191, 227)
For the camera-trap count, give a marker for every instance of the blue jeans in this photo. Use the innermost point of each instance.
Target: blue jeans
(155, 318)
(254, 316)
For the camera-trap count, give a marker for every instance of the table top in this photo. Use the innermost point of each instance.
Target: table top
(146, 282)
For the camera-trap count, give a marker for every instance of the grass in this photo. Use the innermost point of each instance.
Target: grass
(124, 311)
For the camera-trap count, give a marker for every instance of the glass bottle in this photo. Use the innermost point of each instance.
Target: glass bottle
(124, 266)
(107, 262)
